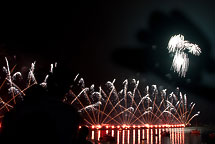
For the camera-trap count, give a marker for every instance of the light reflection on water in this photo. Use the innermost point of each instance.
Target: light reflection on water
(146, 136)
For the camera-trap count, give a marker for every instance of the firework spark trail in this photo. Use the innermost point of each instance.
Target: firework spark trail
(137, 108)
(53, 66)
(108, 98)
(8, 72)
(5, 104)
(161, 114)
(158, 109)
(44, 83)
(136, 83)
(128, 109)
(173, 107)
(77, 98)
(190, 112)
(166, 111)
(148, 98)
(178, 105)
(113, 90)
(85, 93)
(112, 110)
(111, 118)
(90, 107)
(125, 93)
(98, 95)
(155, 91)
(4, 69)
(31, 76)
(88, 122)
(163, 97)
(81, 83)
(181, 104)
(185, 104)
(129, 95)
(9, 78)
(99, 100)
(125, 109)
(16, 75)
(178, 45)
(146, 112)
(192, 118)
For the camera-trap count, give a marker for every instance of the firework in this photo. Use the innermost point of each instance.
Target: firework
(16, 92)
(178, 46)
(108, 105)
(131, 107)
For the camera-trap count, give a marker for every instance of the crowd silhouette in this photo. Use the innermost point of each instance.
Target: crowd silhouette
(82, 135)
(42, 117)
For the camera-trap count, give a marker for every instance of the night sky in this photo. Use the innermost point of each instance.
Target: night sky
(104, 40)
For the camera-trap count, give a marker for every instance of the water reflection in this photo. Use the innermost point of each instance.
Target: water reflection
(146, 136)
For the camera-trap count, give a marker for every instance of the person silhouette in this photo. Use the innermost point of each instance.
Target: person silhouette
(82, 135)
(42, 117)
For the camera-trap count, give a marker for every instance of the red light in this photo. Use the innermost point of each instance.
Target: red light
(123, 126)
(147, 125)
(98, 126)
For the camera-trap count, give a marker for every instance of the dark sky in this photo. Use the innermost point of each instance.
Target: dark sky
(103, 40)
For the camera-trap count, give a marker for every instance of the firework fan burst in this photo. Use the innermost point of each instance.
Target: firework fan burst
(178, 46)
(106, 104)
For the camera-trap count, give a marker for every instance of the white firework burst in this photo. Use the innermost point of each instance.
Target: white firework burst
(180, 63)
(178, 45)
